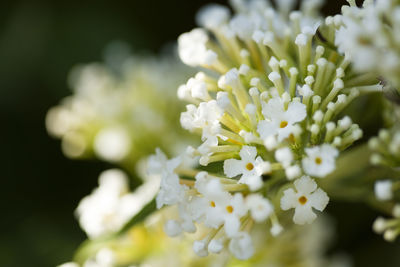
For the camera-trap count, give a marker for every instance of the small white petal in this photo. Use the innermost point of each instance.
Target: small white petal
(319, 199)
(248, 153)
(232, 167)
(289, 199)
(232, 225)
(303, 215)
(305, 185)
(296, 112)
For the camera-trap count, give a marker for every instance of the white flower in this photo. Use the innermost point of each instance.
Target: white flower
(192, 48)
(279, 121)
(113, 181)
(383, 190)
(218, 206)
(250, 167)
(242, 246)
(320, 160)
(260, 208)
(205, 117)
(195, 88)
(171, 191)
(304, 200)
(212, 16)
(104, 210)
(159, 163)
(112, 144)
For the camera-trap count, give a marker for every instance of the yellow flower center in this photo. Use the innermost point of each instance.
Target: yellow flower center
(229, 209)
(249, 166)
(302, 200)
(318, 160)
(212, 204)
(283, 124)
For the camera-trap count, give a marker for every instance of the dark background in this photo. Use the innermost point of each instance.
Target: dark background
(39, 43)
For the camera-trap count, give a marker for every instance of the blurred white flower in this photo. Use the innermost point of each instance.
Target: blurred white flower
(111, 205)
(320, 160)
(193, 50)
(242, 246)
(112, 144)
(260, 207)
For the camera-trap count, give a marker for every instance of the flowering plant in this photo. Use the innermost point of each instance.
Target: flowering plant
(278, 105)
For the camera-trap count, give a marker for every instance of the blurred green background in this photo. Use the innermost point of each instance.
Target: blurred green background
(39, 43)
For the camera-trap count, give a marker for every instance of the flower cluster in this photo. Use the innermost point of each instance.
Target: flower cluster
(267, 107)
(369, 36)
(147, 245)
(110, 103)
(272, 106)
(111, 204)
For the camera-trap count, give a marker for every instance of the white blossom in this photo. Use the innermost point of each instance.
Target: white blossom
(304, 199)
(212, 16)
(100, 212)
(112, 144)
(111, 205)
(260, 208)
(279, 121)
(320, 160)
(192, 48)
(218, 206)
(159, 163)
(171, 191)
(205, 117)
(250, 167)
